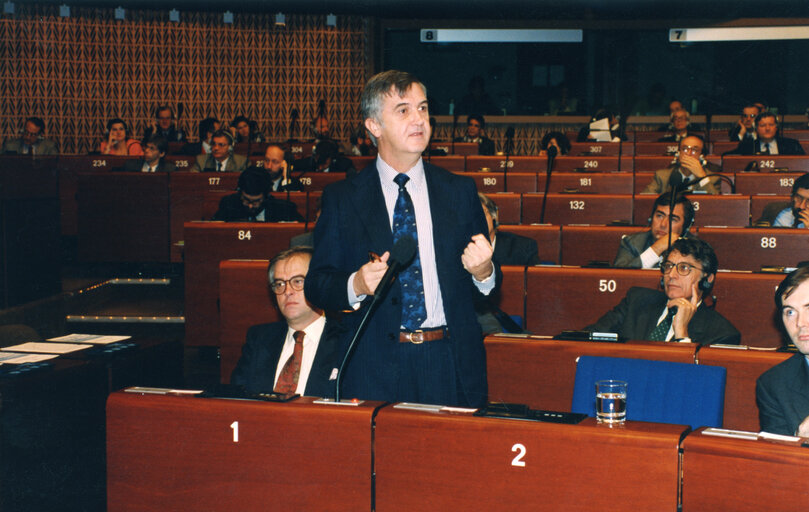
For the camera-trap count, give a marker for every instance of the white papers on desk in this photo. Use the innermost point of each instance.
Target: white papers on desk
(46, 348)
(17, 358)
(93, 339)
(600, 130)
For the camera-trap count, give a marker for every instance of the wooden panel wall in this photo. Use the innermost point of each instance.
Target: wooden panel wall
(77, 72)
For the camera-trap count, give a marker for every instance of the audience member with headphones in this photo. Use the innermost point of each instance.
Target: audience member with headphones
(31, 141)
(767, 141)
(679, 126)
(252, 201)
(678, 312)
(695, 171)
(645, 248)
(221, 158)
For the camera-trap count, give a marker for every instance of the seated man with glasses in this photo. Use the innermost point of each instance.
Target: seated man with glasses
(744, 128)
(796, 215)
(298, 354)
(678, 313)
(693, 169)
(253, 203)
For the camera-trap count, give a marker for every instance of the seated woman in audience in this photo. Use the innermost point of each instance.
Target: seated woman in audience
(557, 139)
(117, 140)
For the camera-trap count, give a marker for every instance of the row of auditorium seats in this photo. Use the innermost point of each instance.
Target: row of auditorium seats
(540, 371)
(745, 250)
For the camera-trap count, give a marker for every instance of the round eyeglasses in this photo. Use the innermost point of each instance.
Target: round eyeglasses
(279, 286)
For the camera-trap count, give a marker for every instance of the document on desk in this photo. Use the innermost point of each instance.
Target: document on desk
(17, 358)
(46, 348)
(93, 339)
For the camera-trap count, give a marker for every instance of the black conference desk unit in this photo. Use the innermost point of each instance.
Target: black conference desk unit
(52, 428)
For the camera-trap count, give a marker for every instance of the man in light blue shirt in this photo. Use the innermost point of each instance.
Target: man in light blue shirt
(797, 215)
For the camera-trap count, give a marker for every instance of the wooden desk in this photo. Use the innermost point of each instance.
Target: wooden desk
(564, 209)
(456, 148)
(599, 148)
(743, 475)
(778, 183)
(452, 163)
(547, 237)
(123, 217)
(743, 368)
(509, 207)
(587, 164)
(726, 210)
(319, 180)
(208, 243)
(765, 163)
(588, 183)
(752, 248)
(571, 298)
(189, 453)
(656, 148)
(493, 182)
(583, 244)
(187, 192)
(746, 300)
(69, 167)
(462, 462)
(541, 372)
(495, 164)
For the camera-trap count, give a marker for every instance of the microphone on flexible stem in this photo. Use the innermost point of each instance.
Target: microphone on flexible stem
(400, 257)
(725, 178)
(676, 183)
(509, 148)
(552, 151)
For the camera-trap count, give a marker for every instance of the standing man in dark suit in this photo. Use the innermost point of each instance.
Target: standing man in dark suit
(154, 152)
(423, 343)
(767, 141)
(782, 392)
(271, 348)
(221, 158)
(679, 312)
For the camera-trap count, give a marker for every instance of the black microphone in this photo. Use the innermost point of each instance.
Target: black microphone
(400, 256)
(552, 152)
(676, 183)
(509, 148)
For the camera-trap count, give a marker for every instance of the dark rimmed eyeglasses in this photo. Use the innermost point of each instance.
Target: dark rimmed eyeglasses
(279, 286)
(683, 268)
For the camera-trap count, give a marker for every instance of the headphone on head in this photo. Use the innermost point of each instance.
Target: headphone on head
(688, 217)
(703, 285)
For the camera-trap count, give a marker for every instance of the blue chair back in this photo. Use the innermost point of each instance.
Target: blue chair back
(657, 391)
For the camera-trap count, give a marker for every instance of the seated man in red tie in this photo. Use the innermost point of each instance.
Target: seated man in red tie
(678, 313)
(298, 354)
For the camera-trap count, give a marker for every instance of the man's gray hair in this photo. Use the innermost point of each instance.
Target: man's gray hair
(379, 86)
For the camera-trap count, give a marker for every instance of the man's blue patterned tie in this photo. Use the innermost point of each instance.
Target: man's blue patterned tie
(414, 311)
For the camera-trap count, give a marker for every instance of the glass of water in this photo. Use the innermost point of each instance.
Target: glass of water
(611, 401)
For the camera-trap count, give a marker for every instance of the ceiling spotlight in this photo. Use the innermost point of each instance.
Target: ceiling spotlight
(227, 17)
(8, 8)
(280, 19)
(64, 11)
(331, 20)
(174, 15)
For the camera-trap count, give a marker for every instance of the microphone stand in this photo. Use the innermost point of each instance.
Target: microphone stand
(509, 148)
(454, 127)
(551, 156)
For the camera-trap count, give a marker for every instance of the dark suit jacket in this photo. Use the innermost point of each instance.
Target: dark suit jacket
(632, 246)
(231, 209)
(354, 220)
(136, 165)
(782, 395)
(339, 164)
(171, 135)
(637, 314)
(260, 358)
(42, 147)
(207, 163)
(511, 249)
(785, 147)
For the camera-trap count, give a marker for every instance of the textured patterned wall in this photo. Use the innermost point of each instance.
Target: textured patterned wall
(78, 72)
